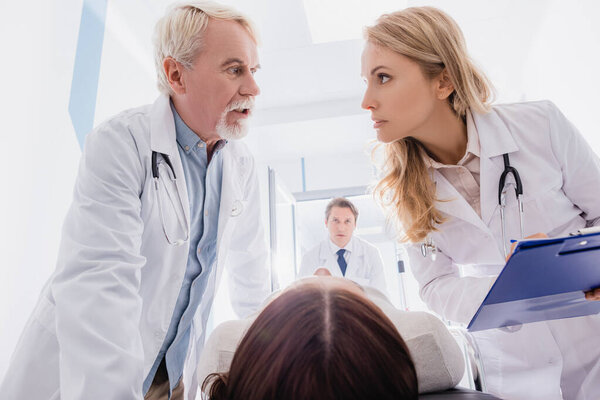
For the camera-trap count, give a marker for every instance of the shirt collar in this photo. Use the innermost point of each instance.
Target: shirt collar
(186, 138)
(473, 145)
(349, 246)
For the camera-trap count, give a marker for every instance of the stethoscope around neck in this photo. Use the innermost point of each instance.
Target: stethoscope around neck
(429, 248)
(182, 221)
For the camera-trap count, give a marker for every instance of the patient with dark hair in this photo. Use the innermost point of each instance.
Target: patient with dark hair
(320, 339)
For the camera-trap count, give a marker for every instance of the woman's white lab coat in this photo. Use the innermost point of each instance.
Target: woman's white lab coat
(103, 316)
(365, 265)
(561, 190)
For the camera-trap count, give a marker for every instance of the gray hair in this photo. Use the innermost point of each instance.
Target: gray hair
(179, 34)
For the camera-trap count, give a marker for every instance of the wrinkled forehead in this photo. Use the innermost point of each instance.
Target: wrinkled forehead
(229, 40)
(341, 212)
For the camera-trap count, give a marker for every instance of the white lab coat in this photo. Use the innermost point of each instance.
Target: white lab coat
(365, 265)
(561, 191)
(102, 318)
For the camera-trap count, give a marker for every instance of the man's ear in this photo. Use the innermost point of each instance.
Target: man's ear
(174, 73)
(445, 87)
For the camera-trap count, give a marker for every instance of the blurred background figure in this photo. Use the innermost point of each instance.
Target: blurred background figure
(342, 253)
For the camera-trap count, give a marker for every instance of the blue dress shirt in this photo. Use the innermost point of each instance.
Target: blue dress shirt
(203, 181)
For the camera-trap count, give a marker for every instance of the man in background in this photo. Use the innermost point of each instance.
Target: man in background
(342, 253)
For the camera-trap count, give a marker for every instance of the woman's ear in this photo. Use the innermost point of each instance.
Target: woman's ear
(445, 87)
(174, 73)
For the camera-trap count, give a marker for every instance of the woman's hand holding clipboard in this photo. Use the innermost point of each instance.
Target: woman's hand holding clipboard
(592, 295)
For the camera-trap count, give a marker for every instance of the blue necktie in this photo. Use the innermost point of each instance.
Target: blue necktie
(342, 261)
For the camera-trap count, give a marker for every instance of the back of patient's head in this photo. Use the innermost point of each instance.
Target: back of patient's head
(314, 342)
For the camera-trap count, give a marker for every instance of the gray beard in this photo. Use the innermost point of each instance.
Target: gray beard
(235, 131)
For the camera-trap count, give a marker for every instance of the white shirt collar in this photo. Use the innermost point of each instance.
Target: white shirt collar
(349, 246)
(473, 145)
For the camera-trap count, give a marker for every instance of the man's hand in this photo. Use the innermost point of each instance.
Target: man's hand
(593, 294)
(538, 235)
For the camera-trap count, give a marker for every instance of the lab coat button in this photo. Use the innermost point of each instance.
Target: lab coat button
(237, 208)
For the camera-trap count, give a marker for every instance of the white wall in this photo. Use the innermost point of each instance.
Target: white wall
(40, 151)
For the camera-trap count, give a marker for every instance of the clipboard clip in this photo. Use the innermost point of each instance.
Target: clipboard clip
(576, 246)
(585, 231)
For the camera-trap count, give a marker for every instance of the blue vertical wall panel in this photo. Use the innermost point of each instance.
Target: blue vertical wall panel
(86, 71)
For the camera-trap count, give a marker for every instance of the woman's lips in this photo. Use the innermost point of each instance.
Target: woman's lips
(377, 123)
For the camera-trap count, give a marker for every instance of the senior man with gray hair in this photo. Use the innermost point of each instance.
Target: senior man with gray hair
(164, 199)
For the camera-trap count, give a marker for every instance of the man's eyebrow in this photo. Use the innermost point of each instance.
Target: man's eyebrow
(231, 61)
(234, 60)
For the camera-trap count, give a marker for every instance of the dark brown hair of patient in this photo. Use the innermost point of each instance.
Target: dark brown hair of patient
(317, 343)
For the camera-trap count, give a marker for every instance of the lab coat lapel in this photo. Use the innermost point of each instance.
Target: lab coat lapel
(227, 195)
(163, 139)
(452, 203)
(325, 253)
(495, 140)
(233, 183)
(357, 253)
(162, 127)
(328, 259)
(491, 169)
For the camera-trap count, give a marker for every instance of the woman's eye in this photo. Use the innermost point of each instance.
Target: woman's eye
(383, 78)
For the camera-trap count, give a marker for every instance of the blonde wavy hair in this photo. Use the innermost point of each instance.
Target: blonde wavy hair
(433, 40)
(179, 34)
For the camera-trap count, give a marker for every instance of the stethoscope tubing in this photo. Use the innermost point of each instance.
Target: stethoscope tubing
(428, 247)
(182, 221)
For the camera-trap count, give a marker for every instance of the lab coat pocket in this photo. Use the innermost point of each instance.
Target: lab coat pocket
(552, 209)
(535, 216)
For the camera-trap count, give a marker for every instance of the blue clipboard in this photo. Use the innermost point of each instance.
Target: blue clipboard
(543, 280)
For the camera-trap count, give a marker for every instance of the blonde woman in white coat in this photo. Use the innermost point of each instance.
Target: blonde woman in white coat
(444, 148)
